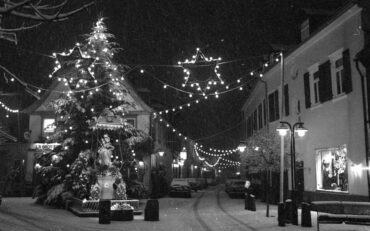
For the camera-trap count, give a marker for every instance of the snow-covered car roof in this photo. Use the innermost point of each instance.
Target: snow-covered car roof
(180, 182)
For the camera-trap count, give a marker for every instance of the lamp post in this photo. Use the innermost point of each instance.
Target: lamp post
(301, 131)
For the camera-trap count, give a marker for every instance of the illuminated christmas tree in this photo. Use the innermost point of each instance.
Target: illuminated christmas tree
(90, 126)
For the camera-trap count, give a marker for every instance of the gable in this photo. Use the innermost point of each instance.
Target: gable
(58, 88)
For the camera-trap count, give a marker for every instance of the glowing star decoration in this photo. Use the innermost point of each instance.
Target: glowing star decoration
(201, 72)
(74, 59)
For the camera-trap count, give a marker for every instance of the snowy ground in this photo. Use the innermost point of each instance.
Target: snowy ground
(208, 210)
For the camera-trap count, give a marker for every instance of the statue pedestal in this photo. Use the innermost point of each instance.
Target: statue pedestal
(106, 184)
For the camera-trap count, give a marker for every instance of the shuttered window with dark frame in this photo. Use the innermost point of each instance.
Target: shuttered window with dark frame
(274, 106)
(307, 93)
(249, 127)
(264, 112)
(286, 99)
(276, 95)
(260, 122)
(325, 83)
(255, 123)
(347, 79)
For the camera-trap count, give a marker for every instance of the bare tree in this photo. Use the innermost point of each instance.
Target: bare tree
(29, 14)
(263, 155)
(37, 12)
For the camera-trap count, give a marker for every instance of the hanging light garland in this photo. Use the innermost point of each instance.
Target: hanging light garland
(85, 58)
(8, 109)
(217, 152)
(185, 138)
(230, 162)
(212, 165)
(187, 105)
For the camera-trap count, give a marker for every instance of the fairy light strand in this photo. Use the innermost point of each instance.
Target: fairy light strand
(8, 108)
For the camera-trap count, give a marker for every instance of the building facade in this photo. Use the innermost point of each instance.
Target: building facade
(322, 88)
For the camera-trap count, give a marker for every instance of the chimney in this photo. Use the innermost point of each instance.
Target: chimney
(305, 30)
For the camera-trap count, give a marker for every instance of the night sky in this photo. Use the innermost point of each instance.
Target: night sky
(155, 35)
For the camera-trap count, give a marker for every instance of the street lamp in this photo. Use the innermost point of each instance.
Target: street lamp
(161, 153)
(301, 131)
(183, 156)
(241, 147)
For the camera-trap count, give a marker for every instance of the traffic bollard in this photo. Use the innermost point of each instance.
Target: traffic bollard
(288, 211)
(246, 202)
(104, 211)
(151, 212)
(252, 202)
(281, 214)
(306, 215)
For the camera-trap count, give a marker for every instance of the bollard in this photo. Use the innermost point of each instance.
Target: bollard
(281, 214)
(246, 202)
(306, 215)
(294, 215)
(151, 212)
(252, 202)
(104, 211)
(288, 211)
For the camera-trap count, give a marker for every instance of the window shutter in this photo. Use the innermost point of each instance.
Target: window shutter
(347, 79)
(264, 112)
(276, 108)
(307, 96)
(271, 108)
(286, 99)
(325, 85)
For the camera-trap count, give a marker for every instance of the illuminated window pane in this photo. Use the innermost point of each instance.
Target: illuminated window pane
(332, 169)
(48, 125)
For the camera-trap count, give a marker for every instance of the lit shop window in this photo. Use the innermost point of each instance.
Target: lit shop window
(331, 169)
(48, 126)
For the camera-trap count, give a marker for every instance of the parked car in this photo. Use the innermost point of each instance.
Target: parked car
(235, 188)
(180, 187)
(194, 184)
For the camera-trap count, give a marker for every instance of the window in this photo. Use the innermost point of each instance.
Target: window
(312, 91)
(332, 169)
(338, 72)
(341, 72)
(318, 84)
(340, 65)
(315, 85)
(274, 106)
(260, 125)
(131, 121)
(48, 126)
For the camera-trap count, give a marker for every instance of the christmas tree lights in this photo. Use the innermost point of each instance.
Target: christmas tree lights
(90, 121)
